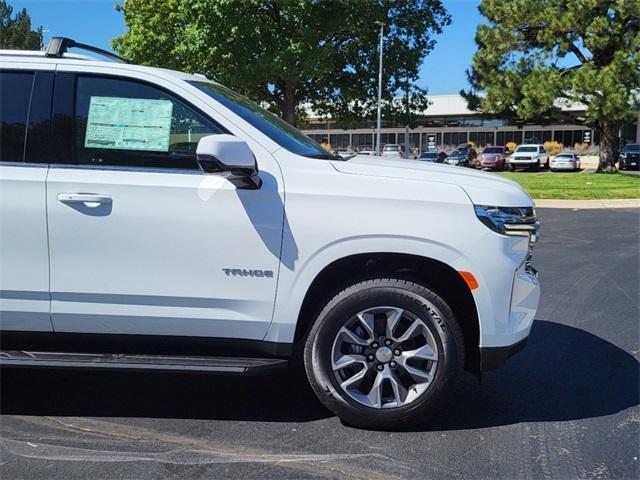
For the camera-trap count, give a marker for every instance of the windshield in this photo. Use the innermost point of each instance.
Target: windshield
(429, 155)
(526, 149)
(634, 147)
(459, 153)
(272, 126)
(493, 150)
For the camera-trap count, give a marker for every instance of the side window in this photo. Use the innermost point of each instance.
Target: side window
(15, 95)
(37, 147)
(126, 123)
(542, 150)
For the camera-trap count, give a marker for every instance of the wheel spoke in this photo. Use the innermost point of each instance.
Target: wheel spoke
(419, 375)
(352, 337)
(345, 360)
(411, 331)
(399, 392)
(392, 321)
(366, 321)
(424, 353)
(356, 378)
(375, 394)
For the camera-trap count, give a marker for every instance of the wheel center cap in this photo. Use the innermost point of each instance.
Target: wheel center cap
(384, 354)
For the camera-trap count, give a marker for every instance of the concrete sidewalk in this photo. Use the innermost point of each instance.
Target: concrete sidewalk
(588, 204)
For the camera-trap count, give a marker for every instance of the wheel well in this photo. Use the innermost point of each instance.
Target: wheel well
(433, 274)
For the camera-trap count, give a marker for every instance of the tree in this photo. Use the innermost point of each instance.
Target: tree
(319, 54)
(15, 32)
(533, 54)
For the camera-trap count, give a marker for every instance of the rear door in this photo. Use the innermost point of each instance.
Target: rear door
(25, 103)
(141, 240)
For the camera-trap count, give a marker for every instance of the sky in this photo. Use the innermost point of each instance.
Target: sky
(96, 22)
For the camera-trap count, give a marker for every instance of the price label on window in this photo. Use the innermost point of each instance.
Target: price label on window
(129, 124)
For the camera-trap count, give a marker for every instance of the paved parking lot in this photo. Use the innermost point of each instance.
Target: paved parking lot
(566, 407)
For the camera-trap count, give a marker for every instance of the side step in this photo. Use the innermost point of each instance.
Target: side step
(232, 365)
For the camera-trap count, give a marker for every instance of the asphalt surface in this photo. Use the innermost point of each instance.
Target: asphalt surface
(565, 407)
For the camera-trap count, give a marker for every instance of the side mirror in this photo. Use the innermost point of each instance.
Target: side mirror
(231, 157)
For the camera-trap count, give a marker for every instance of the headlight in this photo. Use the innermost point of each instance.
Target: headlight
(519, 221)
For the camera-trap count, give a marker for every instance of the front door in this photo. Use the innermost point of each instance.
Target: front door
(143, 242)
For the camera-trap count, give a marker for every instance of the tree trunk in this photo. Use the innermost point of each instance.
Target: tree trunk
(608, 145)
(289, 107)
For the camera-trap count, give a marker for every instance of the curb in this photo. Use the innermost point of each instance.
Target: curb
(589, 204)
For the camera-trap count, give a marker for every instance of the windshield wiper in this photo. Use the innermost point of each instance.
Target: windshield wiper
(324, 156)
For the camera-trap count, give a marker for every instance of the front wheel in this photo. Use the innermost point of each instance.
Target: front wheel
(382, 352)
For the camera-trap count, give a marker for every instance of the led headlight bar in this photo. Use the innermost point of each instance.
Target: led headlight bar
(520, 221)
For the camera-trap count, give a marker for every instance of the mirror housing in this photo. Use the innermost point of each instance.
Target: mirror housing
(231, 157)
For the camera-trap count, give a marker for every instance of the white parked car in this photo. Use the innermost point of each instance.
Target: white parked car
(344, 153)
(530, 156)
(565, 161)
(159, 216)
(393, 150)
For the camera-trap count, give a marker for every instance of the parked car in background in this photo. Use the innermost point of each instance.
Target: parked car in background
(428, 156)
(433, 156)
(565, 161)
(462, 157)
(393, 150)
(630, 157)
(344, 153)
(530, 156)
(366, 152)
(492, 157)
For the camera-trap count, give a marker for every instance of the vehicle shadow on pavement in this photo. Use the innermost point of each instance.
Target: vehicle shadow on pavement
(564, 374)
(278, 398)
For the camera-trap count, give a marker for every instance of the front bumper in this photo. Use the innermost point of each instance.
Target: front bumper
(632, 161)
(523, 161)
(565, 166)
(525, 297)
(488, 163)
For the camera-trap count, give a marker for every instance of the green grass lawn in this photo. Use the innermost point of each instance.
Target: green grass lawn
(577, 186)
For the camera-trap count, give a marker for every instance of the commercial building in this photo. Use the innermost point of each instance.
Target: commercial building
(448, 122)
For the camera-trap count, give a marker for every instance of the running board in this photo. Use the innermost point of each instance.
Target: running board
(230, 365)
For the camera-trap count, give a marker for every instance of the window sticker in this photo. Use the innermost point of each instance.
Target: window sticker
(129, 124)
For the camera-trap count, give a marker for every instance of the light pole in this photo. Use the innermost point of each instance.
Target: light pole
(378, 149)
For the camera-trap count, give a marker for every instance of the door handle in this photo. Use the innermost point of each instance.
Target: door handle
(89, 199)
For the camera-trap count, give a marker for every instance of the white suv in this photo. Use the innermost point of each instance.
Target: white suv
(160, 217)
(530, 156)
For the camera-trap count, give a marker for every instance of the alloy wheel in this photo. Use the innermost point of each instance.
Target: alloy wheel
(384, 357)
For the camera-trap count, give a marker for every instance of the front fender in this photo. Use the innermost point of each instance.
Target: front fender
(293, 285)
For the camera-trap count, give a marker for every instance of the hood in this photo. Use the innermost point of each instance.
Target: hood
(482, 188)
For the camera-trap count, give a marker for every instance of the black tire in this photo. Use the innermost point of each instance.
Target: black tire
(512, 168)
(536, 167)
(413, 298)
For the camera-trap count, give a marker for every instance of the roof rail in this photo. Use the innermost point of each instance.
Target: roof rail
(58, 46)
